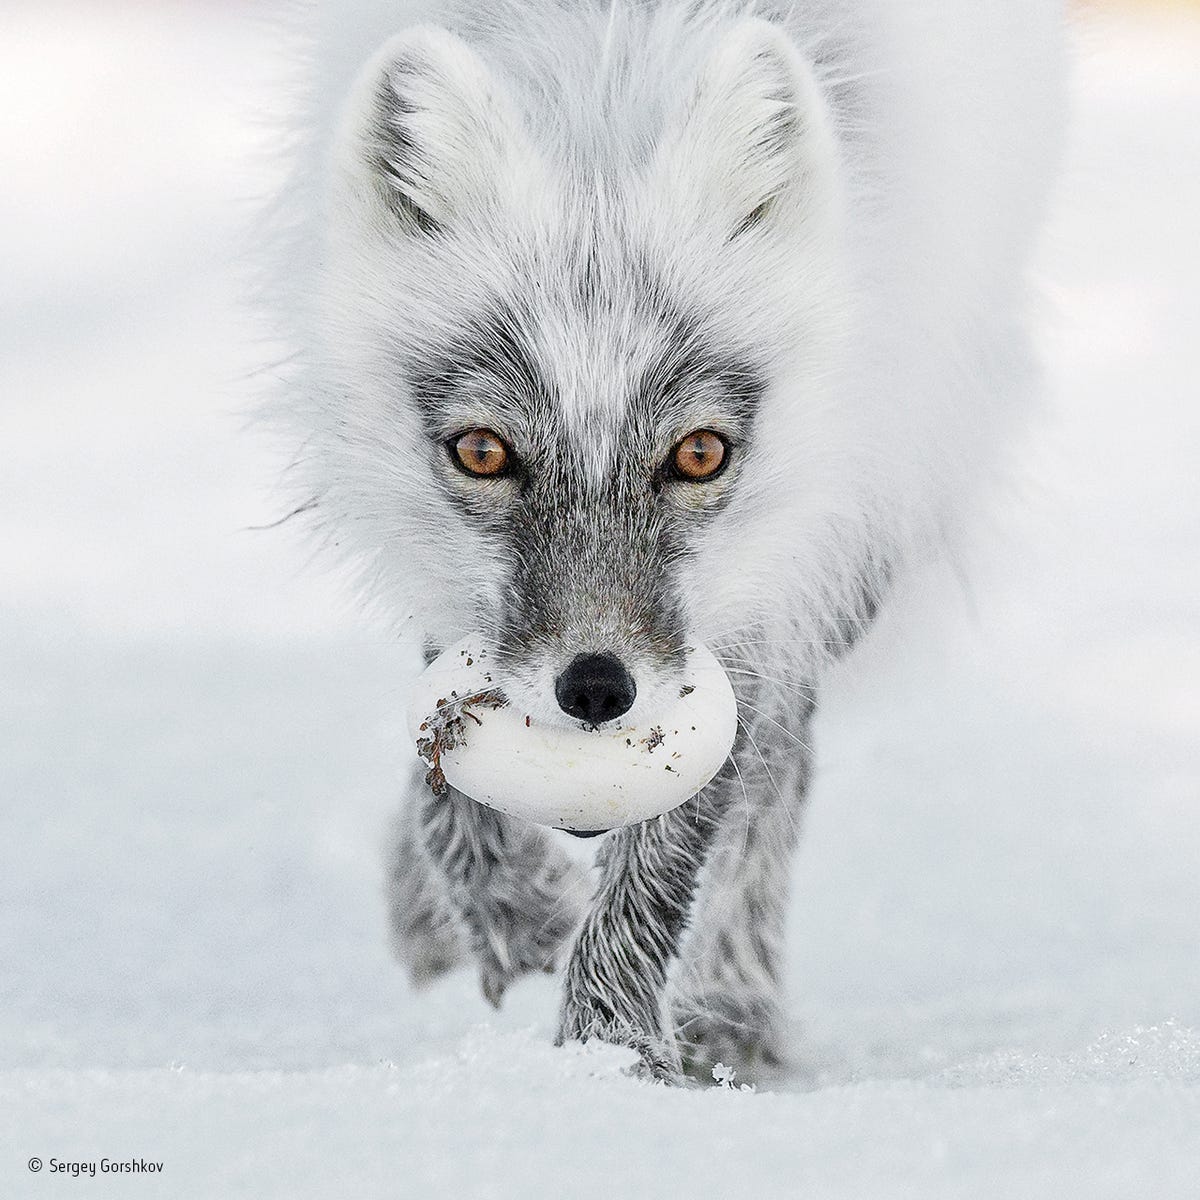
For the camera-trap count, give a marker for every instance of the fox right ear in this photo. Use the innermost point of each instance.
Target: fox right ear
(430, 133)
(753, 144)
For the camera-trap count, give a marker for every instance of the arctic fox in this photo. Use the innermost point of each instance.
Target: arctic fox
(627, 324)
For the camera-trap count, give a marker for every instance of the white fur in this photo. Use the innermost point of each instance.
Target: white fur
(885, 282)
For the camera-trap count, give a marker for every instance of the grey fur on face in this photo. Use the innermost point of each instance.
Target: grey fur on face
(590, 532)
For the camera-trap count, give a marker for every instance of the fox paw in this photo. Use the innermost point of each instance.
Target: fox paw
(628, 1021)
(745, 1035)
(657, 1057)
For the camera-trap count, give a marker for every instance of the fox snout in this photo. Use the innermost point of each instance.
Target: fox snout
(595, 688)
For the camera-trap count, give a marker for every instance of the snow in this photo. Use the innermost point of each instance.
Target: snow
(995, 973)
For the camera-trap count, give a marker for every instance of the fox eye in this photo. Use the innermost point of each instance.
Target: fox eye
(700, 456)
(480, 452)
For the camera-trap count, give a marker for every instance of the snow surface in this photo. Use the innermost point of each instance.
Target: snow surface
(995, 971)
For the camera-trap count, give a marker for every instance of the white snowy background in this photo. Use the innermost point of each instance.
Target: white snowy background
(995, 969)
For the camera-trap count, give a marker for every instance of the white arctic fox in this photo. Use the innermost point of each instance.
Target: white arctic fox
(626, 324)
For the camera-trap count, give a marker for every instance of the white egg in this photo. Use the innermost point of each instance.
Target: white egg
(565, 776)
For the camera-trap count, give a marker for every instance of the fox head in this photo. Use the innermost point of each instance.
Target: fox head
(572, 370)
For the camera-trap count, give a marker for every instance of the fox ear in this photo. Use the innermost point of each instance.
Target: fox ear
(753, 145)
(430, 133)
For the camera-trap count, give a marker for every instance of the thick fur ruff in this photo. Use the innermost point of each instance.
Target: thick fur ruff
(597, 226)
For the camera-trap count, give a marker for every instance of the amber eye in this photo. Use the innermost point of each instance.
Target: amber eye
(480, 452)
(699, 456)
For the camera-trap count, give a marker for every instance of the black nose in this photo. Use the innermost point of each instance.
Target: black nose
(595, 688)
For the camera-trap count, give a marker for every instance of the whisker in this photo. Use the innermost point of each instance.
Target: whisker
(776, 641)
(770, 776)
(745, 800)
(782, 728)
(801, 689)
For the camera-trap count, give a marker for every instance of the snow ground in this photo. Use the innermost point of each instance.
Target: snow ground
(995, 966)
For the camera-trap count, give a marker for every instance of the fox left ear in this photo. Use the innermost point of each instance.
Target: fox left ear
(430, 134)
(753, 146)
